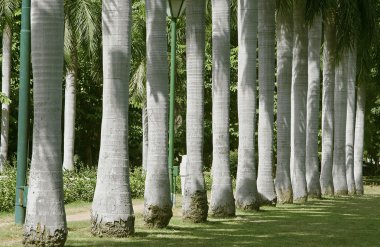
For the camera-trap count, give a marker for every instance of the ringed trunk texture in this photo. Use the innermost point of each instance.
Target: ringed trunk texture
(222, 199)
(145, 137)
(298, 103)
(340, 113)
(266, 33)
(313, 99)
(284, 84)
(157, 202)
(5, 87)
(350, 125)
(112, 212)
(69, 121)
(359, 139)
(327, 187)
(194, 203)
(246, 189)
(45, 223)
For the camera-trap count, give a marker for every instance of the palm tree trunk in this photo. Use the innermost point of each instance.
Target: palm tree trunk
(45, 212)
(5, 86)
(145, 137)
(157, 205)
(340, 112)
(326, 180)
(246, 188)
(313, 99)
(194, 203)
(359, 139)
(222, 200)
(69, 121)
(112, 212)
(350, 125)
(298, 103)
(266, 33)
(284, 84)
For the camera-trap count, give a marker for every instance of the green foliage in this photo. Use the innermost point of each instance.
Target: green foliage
(4, 99)
(7, 189)
(79, 186)
(137, 180)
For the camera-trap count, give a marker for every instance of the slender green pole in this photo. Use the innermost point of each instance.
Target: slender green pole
(172, 99)
(22, 141)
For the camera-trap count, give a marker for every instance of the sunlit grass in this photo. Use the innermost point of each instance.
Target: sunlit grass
(346, 221)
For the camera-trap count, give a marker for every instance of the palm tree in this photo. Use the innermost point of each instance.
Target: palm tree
(7, 10)
(246, 188)
(45, 213)
(350, 124)
(340, 111)
(157, 205)
(194, 203)
(82, 24)
(266, 33)
(313, 99)
(222, 200)
(326, 180)
(298, 102)
(112, 212)
(359, 139)
(284, 81)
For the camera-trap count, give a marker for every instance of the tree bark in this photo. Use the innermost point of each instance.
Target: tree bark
(145, 137)
(45, 223)
(313, 99)
(157, 205)
(69, 121)
(112, 212)
(222, 200)
(266, 34)
(284, 84)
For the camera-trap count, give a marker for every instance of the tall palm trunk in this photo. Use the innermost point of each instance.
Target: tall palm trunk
(359, 139)
(145, 137)
(157, 205)
(350, 125)
(298, 103)
(222, 200)
(69, 121)
(340, 112)
(313, 99)
(266, 33)
(326, 180)
(195, 195)
(112, 212)
(284, 84)
(45, 212)
(246, 188)
(5, 86)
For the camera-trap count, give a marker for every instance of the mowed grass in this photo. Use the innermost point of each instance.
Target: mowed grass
(345, 221)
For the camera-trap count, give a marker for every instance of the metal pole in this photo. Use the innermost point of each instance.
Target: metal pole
(22, 141)
(172, 99)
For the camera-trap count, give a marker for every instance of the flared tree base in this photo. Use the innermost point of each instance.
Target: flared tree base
(266, 201)
(285, 196)
(157, 217)
(314, 195)
(198, 209)
(300, 200)
(327, 191)
(246, 205)
(118, 229)
(40, 236)
(343, 192)
(223, 211)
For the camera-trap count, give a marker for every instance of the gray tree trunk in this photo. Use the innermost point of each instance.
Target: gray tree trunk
(246, 189)
(350, 125)
(45, 223)
(266, 34)
(5, 87)
(298, 103)
(194, 203)
(145, 137)
(359, 139)
(157, 205)
(69, 121)
(313, 100)
(326, 180)
(112, 212)
(222, 199)
(284, 84)
(340, 112)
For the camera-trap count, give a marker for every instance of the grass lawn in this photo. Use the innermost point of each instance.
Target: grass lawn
(346, 221)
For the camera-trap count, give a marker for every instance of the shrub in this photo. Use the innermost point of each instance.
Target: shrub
(7, 189)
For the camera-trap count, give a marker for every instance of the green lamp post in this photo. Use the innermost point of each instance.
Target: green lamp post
(22, 139)
(174, 11)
